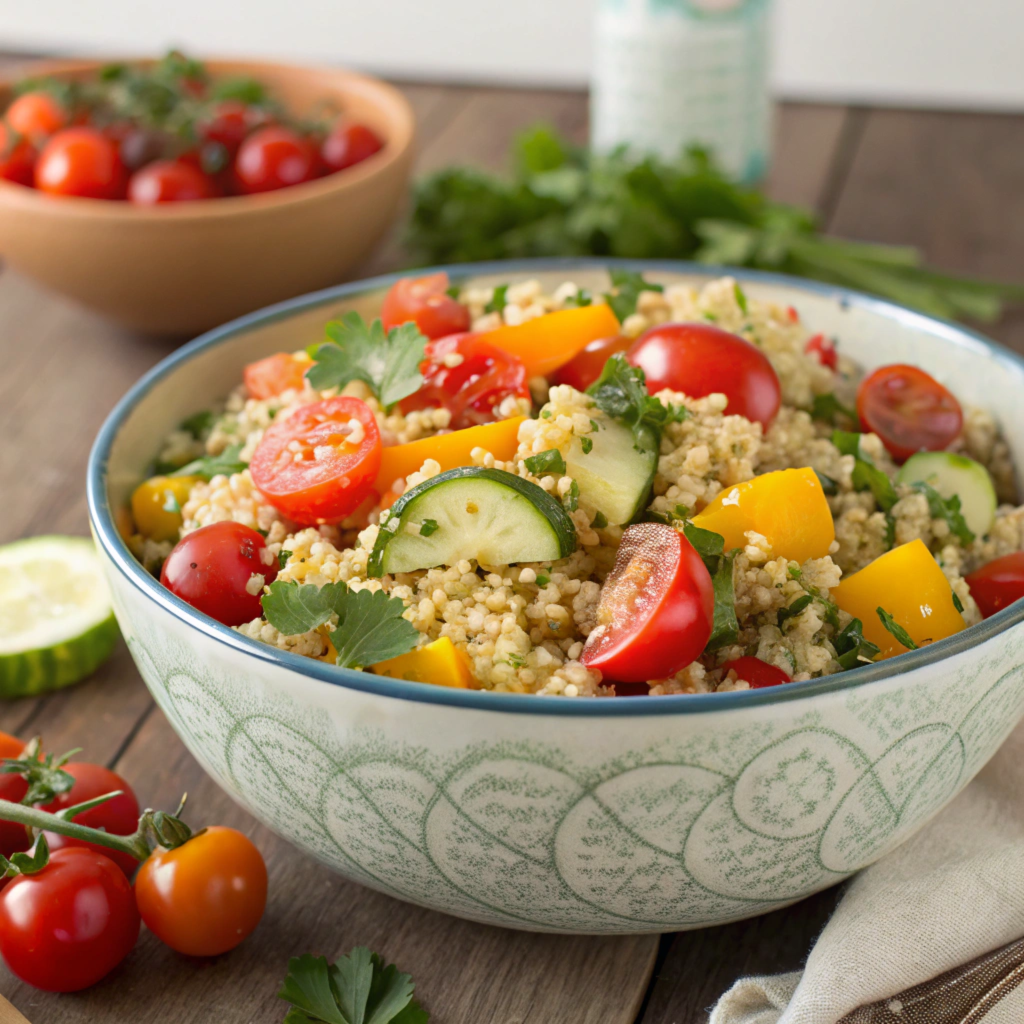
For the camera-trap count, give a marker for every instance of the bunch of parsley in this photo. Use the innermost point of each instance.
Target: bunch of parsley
(565, 201)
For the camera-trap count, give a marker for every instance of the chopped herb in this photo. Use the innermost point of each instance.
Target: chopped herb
(370, 624)
(851, 646)
(827, 408)
(710, 317)
(587, 444)
(171, 504)
(793, 571)
(453, 291)
(227, 463)
(515, 660)
(890, 530)
(708, 544)
(543, 581)
(957, 603)
(427, 527)
(545, 414)
(497, 301)
(628, 285)
(725, 628)
(741, 299)
(595, 426)
(621, 392)
(550, 461)
(388, 363)
(866, 475)
(901, 635)
(199, 423)
(581, 298)
(600, 521)
(571, 498)
(828, 485)
(282, 557)
(794, 609)
(947, 509)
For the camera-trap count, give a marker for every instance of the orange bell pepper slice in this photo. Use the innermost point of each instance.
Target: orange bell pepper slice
(440, 663)
(787, 507)
(908, 583)
(452, 450)
(550, 341)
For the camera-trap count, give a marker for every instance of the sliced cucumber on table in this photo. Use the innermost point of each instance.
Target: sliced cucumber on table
(56, 623)
(489, 515)
(955, 474)
(616, 475)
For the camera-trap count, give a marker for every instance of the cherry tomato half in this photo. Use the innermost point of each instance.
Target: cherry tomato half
(13, 837)
(169, 181)
(348, 144)
(471, 389)
(756, 672)
(657, 607)
(699, 360)
(583, 369)
(909, 410)
(118, 817)
(998, 583)
(425, 301)
(205, 897)
(823, 350)
(273, 158)
(275, 374)
(307, 467)
(17, 158)
(211, 568)
(70, 924)
(36, 115)
(80, 162)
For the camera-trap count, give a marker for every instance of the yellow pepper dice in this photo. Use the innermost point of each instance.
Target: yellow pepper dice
(156, 505)
(440, 663)
(787, 507)
(547, 342)
(908, 583)
(450, 450)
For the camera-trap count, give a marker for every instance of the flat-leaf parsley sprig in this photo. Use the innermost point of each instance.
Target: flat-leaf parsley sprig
(621, 392)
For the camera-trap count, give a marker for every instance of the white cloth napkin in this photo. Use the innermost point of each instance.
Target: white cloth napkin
(950, 894)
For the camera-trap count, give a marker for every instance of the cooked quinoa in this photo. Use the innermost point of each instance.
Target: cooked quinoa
(523, 627)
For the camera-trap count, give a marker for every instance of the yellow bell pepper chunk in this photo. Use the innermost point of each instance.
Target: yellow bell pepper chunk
(440, 663)
(547, 342)
(451, 450)
(908, 583)
(787, 507)
(156, 505)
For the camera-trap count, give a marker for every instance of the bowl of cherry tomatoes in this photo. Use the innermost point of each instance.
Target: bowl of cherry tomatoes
(171, 195)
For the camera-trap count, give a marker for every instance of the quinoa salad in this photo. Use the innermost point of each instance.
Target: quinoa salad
(654, 490)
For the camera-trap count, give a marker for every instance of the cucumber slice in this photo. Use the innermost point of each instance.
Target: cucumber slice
(616, 475)
(953, 474)
(487, 514)
(56, 624)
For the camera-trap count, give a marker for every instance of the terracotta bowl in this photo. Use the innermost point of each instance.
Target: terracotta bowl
(182, 268)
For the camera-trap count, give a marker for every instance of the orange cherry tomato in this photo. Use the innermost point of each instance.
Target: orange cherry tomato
(756, 672)
(909, 410)
(80, 162)
(425, 301)
(206, 896)
(36, 115)
(275, 374)
(585, 367)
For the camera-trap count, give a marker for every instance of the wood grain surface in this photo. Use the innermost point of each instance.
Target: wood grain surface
(948, 183)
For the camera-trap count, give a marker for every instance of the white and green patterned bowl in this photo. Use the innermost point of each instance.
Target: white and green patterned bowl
(621, 815)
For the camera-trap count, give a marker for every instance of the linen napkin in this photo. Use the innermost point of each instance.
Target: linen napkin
(919, 937)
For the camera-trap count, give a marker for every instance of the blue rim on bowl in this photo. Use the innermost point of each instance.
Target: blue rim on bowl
(102, 519)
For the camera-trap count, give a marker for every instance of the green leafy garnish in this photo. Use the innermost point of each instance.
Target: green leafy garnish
(600, 521)
(388, 363)
(621, 392)
(828, 485)
(246, 90)
(581, 298)
(851, 646)
(957, 603)
(199, 424)
(866, 475)
(542, 580)
(571, 498)
(550, 461)
(227, 463)
(587, 445)
(370, 626)
(356, 989)
(427, 527)
(282, 557)
(708, 544)
(828, 407)
(725, 628)
(497, 302)
(627, 285)
(901, 635)
(947, 509)
(794, 609)
(741, 299)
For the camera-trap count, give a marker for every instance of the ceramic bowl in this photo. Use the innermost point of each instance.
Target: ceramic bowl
(632, 814)
(182, 268)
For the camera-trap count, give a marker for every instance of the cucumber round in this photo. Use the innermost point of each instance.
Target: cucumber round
(489, 515)
(56, 623)
(953, 474)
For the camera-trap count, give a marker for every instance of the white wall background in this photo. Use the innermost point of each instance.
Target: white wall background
(959, 53)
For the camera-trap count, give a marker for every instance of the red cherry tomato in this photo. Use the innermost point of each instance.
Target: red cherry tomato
(425, 301)
(307, 467)
(70, 924)
(823, 350)
(36, 115)
(204, 897)
(169, 181)
(909, 410)
(275, 374)
(211, 568)
(470, 390)
(583, 369)
(119, 817)
(998, 583)
(657, 607)
(273, 158)
(17, 158)
(80, 162)
(756, 672)
(699, 360)
(229, 123)
(13, 837)
(349, 143)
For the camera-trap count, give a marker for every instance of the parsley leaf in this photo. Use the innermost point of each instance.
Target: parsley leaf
(388, 363)
(828, 407)
(282, 557)
(945, 508)
(550, 461)
(628, 285)
(852, 648)
(866, 475)
(587, 444)
(725, 628)
(227, 464)
(581, 298)
(356, 989)
(498, 302)
(621, 392)
(370, 625)
(741, 299)
(828, 485)
(957, 603)
(902, 636)
(571, 498)
(600, 521)
(794, 609)
(708, 544)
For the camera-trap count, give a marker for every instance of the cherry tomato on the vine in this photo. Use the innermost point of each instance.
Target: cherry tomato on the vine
(169, 181)
(699, 360)
(909, 410)
(65, 927)
(36, 115)
(80, 162)
(13, 837)
(583, 369)
(17, 157)
(349, 143)
(273, 158)
(756, 672)
(425, 301)
(204, 897)
(998, 583)
(823, 350)
(213, 567)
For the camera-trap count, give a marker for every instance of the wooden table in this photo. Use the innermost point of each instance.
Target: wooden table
(949, 183)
